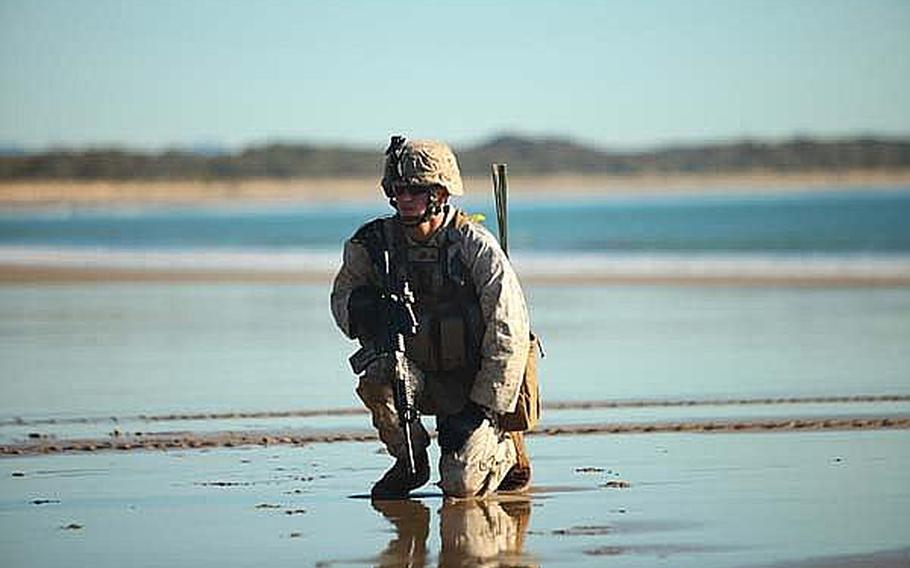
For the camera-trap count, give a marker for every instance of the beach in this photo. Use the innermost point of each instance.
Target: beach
(745, 499)
(14, 194)
(223, 413)
(725, 384)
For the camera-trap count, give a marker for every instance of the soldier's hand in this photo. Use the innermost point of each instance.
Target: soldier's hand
(454, 430)
(364, 312)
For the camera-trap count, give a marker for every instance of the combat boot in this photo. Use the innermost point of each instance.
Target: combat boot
(518, 478)
(398, 481)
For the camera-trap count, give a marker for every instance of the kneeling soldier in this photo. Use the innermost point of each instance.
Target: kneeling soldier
(469, 353)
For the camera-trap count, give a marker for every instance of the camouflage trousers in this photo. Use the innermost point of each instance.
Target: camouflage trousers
(474, 471)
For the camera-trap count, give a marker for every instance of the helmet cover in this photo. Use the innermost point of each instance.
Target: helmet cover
(421, 162)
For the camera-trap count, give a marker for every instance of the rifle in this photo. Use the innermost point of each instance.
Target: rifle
(398, 322)
(501, 200)
(527, 412)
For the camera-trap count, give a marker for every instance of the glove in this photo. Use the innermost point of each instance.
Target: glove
(455, 430)
(363, 312)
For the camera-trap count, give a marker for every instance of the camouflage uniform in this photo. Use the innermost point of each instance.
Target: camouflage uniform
(472, 345)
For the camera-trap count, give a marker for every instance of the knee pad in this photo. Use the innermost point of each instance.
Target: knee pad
(466, 473)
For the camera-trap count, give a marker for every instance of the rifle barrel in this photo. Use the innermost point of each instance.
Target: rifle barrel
(501, 200)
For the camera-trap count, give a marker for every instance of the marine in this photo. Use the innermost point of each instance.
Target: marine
(470, 352)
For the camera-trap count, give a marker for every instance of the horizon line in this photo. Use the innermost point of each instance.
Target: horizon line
(214, 148)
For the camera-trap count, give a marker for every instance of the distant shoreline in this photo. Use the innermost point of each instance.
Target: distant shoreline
(51, 193)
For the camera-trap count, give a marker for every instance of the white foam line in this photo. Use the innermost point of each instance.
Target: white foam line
(717, 266)
(566, 264)
(190, 259)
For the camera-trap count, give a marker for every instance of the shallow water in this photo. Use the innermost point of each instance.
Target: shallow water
(138, 431)
(694, 500)
(86, 350)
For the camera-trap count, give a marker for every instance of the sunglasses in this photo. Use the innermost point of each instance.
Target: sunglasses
(413, 190)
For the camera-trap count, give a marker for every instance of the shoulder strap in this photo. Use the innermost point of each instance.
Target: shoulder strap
(453, 264)
(372, 236)
(461, 219)
(382, 235)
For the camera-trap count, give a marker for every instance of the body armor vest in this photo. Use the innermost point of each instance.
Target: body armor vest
(450, 322)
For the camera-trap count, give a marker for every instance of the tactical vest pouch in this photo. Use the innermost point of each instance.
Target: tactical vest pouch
(453, 352)
(420, 349)
(527, 411)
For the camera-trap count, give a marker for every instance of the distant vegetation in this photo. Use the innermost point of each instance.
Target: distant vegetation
(525, 156)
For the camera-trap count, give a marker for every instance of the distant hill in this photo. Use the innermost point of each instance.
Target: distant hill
(525, 156)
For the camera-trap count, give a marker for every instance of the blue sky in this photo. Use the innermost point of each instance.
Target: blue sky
(617, 74)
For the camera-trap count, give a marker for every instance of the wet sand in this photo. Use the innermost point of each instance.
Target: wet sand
(565, 405)
(185, 440)
(67, 192)
(796, 499)
(22, 437)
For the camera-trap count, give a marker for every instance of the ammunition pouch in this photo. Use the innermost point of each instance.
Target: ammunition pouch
(451, 327)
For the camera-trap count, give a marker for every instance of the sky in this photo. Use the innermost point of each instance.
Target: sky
(624, 74)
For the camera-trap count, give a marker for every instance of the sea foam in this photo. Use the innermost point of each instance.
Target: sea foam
(527, 264)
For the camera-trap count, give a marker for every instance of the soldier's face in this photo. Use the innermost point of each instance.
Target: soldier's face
(412, 200)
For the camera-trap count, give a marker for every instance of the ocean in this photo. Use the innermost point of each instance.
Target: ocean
(843, 222)
(851, 233)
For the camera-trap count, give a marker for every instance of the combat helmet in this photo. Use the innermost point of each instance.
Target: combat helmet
(420, 162)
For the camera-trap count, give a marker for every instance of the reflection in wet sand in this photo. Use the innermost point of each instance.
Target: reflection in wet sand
(412, 527)
(473, 533)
